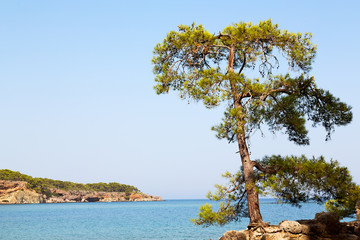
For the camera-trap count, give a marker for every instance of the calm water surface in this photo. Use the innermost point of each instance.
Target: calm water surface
(127, 220)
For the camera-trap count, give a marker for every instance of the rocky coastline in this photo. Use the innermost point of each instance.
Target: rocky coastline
(16, 192)
(325, 226)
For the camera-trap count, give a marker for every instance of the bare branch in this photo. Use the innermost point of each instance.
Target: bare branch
(264, 169)
(232, 138)
(223, 35)
(222, 46)
(278, 90)
(180, 60)
(244, 63)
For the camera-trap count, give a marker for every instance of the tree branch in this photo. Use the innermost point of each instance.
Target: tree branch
(244, 63)
(278, 90)
(223, 35)
(216, 45)
(180, 60)
(264, 169)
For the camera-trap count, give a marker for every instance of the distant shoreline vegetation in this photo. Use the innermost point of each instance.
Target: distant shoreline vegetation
(43, 185)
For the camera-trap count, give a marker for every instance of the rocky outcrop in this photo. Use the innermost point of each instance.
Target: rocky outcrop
(60, 196)
(325, 226)
(358, 210)
(16, 192)
(143, 197)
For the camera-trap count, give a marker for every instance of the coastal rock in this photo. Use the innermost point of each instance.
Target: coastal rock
(348, 237)
(290, 226)
(89, 196)
(11, 186)
(275, 236)
(325, 226)
(134, 197)
(272, 229)
(143, 197)
(235, 235)
(330, 220)
(21, 197)
(16, 192)
(311, 227)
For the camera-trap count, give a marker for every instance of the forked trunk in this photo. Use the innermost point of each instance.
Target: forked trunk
(251, 192)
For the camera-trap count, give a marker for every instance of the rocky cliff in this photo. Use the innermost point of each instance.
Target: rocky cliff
(325, 226)
(16, 192)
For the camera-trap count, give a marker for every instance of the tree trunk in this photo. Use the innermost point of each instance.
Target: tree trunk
(251, 192)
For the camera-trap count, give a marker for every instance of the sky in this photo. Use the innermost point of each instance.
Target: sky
(77, 100)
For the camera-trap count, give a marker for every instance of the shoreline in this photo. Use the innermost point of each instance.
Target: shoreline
(17, 192)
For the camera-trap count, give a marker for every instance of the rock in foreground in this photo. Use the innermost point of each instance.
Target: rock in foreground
(325, 226)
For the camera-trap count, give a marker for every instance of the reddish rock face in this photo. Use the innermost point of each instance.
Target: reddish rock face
(135, 196)
(15, 192)
(143, 197)
(11, 186)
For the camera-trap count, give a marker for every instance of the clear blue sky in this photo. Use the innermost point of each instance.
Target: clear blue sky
(77, 103)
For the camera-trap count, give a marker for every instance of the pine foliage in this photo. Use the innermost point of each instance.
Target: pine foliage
(42, 185)
(239, 67)
(293, 180)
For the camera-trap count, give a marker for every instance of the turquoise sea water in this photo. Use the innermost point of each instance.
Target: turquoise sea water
(127, 220)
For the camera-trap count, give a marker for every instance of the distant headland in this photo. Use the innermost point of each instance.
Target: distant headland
(18, 188)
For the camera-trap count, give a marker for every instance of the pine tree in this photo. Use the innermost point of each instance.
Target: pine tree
(218, 68)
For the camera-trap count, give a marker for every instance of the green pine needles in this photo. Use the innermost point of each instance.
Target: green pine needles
(289, 179)
(240, 67)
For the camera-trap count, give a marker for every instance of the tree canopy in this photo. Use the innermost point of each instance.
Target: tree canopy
(220, 68)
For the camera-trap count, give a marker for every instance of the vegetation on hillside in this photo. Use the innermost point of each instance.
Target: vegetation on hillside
(43, 185)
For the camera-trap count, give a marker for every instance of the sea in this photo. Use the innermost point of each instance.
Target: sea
(168, 219)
